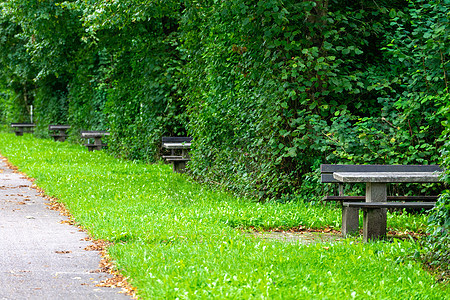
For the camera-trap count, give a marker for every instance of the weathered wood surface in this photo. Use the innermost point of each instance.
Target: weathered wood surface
(327, 170)
(374, 217)
(23, 125)
(177, 145)
(374, 204)
(175, 158)
(371, 205)
(61, 132)
(389, 198)
(94, 134)
(386, 177)
(97, 135)
(185, 145)
(176, 139)
(59, 127)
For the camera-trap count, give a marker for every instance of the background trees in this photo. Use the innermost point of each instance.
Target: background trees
(268, 89)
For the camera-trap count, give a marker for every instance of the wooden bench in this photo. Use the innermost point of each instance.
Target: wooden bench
(20, 128)
(179, 152)
(374, 215)
(97, 136)
(60, 132)
(375, 202)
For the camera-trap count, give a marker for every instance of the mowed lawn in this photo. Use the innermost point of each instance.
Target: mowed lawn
(174, 238)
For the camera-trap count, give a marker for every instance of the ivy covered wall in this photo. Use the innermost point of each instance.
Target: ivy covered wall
(268, 89)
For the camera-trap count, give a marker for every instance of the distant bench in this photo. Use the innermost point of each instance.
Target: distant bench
(60, 132)
(375, 203)
(20, 128)
(179, 152)
(97, 136)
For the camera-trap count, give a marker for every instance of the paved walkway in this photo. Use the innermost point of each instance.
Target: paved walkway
(41, 257)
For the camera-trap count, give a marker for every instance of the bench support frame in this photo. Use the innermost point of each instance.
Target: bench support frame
(375, 206)
(179, 166)
(374, 223)
(350, 220)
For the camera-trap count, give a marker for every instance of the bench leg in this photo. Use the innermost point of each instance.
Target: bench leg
(19, 133)
(374, 224)
(179, 166)
(376, 192)
(350, 220)
(92, 147)
(61, 136)
(98, 141)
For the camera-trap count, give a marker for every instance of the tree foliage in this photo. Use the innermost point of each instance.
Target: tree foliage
(421, 45)
(278, 87)
(268, 89)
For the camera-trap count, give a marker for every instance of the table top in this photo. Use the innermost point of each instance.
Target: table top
(94, 134)
(386, 177)
(183, 145)
(23, 125)
(58, 127)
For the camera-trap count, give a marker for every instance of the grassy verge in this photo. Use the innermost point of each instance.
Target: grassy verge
(178, 239)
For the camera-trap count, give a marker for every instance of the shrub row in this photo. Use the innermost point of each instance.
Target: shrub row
(268, 89)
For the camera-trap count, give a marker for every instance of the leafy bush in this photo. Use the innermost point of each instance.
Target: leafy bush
(276, 88)
(436, 250)
(437, 245)
(421, 43)
(268, 89)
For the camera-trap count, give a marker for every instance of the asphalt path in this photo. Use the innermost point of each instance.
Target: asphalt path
(41, 255)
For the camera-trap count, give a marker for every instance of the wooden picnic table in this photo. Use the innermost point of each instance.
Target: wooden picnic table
(375, 205)
(97, 135)
(60, 134)
(179, 152)
(19, 128)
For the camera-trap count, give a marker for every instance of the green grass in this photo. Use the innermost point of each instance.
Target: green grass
(178, 239)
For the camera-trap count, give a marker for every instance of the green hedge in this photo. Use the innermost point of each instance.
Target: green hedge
(268, 89)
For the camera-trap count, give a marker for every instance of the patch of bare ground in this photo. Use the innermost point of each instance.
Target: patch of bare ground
(325, 235)
(298, 234)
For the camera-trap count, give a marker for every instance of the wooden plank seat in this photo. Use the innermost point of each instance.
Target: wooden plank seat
(171, 157)
(389, 198)
(178, 148)
(376, 178)
(97, 135)
(60, 134)
(20, 128)
(178, 163)
(371, 205)
(374, 219)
